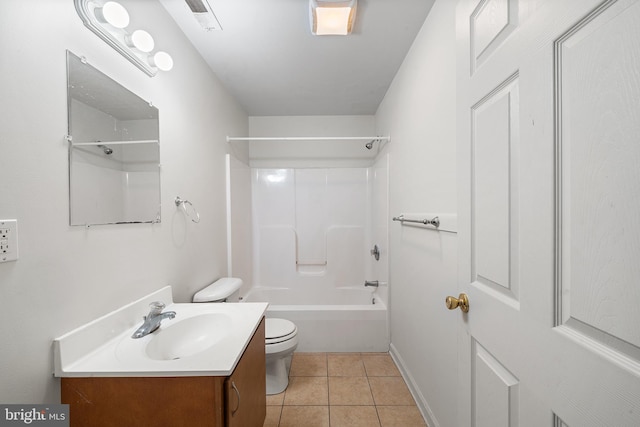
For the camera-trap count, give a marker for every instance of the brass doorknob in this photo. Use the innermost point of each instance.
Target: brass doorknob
(462, 301)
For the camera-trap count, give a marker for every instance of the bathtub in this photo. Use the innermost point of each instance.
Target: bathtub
(342, 320)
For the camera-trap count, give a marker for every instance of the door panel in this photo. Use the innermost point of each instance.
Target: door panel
(491, 23)
(599, 126)
(495, 401)
(494, 186)
(548, 128)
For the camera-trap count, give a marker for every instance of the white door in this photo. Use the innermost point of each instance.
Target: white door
(549, 210)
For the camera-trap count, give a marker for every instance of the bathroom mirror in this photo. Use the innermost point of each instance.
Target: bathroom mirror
(114, 151)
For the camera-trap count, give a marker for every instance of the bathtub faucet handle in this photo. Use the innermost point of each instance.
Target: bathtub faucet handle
(373, 283)
(375, 252)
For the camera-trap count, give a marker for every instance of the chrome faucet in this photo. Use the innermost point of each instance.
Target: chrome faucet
(373, 283)
(153, 319)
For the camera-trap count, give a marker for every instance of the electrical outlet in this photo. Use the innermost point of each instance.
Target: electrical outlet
(8, 240)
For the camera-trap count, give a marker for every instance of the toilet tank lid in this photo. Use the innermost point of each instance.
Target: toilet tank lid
(218, 290)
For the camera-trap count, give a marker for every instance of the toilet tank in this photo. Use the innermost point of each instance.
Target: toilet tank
(219, 290)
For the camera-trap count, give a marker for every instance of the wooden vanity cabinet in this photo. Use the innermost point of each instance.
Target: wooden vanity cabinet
(246, 388)
(237, 400)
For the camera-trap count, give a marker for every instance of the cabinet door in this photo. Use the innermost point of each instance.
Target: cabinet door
(133, 401)
(246, 388)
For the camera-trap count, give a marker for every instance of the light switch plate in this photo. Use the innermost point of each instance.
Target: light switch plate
(8, 240)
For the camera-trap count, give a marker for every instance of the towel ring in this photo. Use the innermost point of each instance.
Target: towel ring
(183, 203)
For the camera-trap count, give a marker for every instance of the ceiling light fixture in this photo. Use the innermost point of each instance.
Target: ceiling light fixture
(110, 21)
(332, 17)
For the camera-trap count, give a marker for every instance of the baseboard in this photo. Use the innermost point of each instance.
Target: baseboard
(423, 406)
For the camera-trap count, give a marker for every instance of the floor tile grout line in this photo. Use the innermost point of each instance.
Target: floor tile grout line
(329, 405)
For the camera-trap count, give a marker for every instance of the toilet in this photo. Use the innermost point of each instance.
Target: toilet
(281, 335)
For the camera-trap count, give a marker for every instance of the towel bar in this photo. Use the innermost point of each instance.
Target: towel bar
(435, 221)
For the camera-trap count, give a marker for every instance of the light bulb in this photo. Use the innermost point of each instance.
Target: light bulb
(112, 13)
(141, 40)
(162, 60)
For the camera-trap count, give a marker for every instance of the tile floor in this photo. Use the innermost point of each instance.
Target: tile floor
(343, 390)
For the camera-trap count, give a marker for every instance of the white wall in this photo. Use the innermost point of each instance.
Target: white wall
(418, 112)
(67, 276)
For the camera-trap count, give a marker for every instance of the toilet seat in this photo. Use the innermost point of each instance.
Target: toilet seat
(281, 340)
(279, 330)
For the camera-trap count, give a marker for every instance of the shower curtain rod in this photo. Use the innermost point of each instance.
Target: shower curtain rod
(306, 138)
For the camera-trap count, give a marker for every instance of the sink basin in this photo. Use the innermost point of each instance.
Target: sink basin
(180, 338)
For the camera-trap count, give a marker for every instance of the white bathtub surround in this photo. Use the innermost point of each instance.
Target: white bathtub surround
(318, 207)
(104, 347)
(343, 320)
(312, 226)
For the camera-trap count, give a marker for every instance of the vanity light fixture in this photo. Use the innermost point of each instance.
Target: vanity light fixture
(332, 17)
(109, 20)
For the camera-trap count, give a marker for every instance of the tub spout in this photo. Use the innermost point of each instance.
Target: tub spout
(373, 283)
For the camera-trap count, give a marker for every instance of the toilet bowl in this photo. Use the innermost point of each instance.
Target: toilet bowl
(281, 335)
(281, 338)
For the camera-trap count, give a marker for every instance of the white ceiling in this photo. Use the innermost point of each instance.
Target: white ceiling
(268, 59)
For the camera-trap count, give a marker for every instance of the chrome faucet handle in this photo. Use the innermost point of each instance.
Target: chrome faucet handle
(375, 252)
(156, 308)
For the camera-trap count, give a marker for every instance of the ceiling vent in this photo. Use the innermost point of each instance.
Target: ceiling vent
(204, 14)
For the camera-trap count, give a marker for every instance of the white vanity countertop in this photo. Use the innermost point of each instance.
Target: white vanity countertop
(104, 347)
